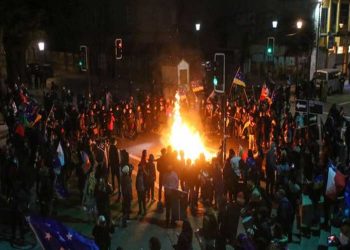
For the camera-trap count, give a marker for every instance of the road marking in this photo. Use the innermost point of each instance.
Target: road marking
(343, 103)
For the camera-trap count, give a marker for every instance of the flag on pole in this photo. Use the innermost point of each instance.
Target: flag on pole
(331, 191)
(60, 154)
(36, 120)
(86, 161)
(52, 234)
(340, 181)
(211, 96)
(239, 78)
(335, 183)
(347, 195)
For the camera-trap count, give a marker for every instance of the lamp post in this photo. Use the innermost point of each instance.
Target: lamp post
(274, 24)
(41, 46)
(344, 35)
(197, 34)
(320, 2)
(299, 24)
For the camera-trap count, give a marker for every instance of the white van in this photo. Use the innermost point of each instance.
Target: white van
(334, 78)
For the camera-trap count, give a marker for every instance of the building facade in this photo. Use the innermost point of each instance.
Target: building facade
(332, 34)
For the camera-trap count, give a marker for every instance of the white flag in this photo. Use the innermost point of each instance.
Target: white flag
(60, 154)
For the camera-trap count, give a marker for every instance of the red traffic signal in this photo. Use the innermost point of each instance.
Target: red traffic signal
(118, 48)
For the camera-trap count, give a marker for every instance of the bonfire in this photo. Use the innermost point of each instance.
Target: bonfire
(185, 137)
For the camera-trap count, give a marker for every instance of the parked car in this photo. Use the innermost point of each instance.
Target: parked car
(333, 79)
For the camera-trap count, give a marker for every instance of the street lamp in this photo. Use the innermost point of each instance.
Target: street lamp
(299, 24)
(198, 26)
(319, 6)
(274, 24)
(41, 46)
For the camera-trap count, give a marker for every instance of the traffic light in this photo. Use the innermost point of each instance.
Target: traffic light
(219, 73)
(83, 58)
(215, 80)
(118, 48)
(270, 46)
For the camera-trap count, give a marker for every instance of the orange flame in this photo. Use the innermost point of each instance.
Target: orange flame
(186, 138)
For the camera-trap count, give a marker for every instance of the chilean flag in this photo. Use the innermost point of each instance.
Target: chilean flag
(335, 183)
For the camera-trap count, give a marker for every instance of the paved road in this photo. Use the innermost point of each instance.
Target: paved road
(136, 235)
(153, 145)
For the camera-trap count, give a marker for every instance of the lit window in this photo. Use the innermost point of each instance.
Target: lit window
(340, 50)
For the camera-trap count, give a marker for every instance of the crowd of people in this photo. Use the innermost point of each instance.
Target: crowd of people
(72, 135)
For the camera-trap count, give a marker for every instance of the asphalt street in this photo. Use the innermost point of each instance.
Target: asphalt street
(138, 231)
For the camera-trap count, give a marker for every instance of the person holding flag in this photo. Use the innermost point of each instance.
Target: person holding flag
(239, 79)
(264, 94)
(58, 164)
(251, 126)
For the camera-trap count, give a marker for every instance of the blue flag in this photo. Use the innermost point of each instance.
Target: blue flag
(347, 195)
(52, 234)
(60, 154)
(239, 79)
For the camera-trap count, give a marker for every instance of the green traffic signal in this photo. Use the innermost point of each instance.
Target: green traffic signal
(269, 50)
(215, 81)
(80, 63)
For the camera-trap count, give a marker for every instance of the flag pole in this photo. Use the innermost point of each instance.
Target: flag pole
(253, 93)
(246, 97)
(48, 116)
(233, 81)
(27, 218)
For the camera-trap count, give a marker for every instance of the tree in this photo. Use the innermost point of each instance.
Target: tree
(19, 20)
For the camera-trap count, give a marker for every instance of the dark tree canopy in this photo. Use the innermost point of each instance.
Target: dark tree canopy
(19, 20)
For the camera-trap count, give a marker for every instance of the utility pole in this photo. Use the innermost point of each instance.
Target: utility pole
(219, 88)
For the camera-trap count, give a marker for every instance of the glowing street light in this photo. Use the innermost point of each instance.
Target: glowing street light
(299, 24)
(274, 24)
(198, 26)
(41, 46)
